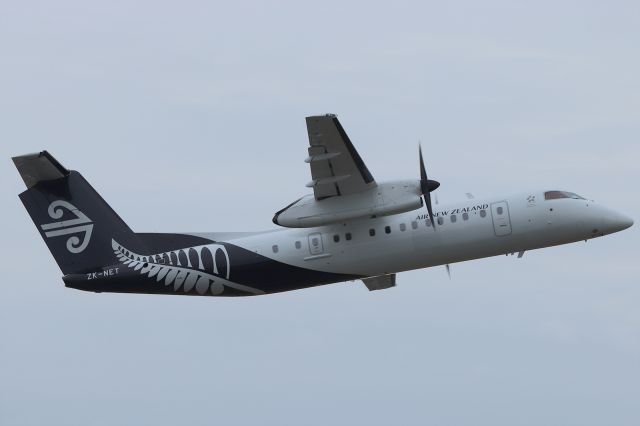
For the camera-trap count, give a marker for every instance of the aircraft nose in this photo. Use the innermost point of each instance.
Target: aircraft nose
(615, 222)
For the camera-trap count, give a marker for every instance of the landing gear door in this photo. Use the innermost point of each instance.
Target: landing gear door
(315, 244)
(500, 216)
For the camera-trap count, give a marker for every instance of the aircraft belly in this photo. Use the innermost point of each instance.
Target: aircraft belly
(171, 266)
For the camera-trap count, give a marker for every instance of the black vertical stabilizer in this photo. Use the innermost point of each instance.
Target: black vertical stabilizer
(75, 222)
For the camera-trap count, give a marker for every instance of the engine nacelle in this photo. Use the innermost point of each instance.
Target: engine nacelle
(383, 200)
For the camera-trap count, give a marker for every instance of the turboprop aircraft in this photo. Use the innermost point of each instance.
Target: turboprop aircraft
(350, 228)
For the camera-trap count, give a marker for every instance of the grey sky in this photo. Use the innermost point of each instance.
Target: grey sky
(189, 116)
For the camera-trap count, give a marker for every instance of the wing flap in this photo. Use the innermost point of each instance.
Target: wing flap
(380, 282)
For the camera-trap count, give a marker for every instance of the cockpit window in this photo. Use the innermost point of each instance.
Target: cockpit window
(554, 195)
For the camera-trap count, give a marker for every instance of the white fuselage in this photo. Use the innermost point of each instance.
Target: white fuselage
(352, 227)
(469, 229)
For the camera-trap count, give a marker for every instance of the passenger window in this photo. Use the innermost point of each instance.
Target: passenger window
(347, 236)
(372, 232)
(483, 213)
(499, 210)
(315, 243)
(453, 218)
(465, 216)
(274, 248)
(428, 223)
(336, 238)
(298, 245)
(440, 221)
(387, 229)
(403, 227)
(414, 225)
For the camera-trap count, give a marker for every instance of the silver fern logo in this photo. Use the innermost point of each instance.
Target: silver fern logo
(81, 224)
(205, 269)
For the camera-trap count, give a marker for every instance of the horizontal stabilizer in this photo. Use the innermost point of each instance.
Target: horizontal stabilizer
(39, 167)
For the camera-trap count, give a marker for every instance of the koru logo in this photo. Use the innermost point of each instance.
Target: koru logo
(81, 224)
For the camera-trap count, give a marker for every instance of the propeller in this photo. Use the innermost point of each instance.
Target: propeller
(448, 271)
(427, 186)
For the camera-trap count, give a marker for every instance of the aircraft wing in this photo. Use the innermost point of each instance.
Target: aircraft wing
(336, 166)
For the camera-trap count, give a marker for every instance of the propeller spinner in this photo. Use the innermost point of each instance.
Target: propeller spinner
(427, 186)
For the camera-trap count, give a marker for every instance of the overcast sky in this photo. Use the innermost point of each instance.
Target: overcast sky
(189, 116)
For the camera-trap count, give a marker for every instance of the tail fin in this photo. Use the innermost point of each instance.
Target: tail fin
(75, 222)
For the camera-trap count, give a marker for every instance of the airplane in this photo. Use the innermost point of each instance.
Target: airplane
(350, 228)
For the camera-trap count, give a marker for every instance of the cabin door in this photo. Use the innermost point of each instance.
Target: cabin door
(500, 216)
(315, 244)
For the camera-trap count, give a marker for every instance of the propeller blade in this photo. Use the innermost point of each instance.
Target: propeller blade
(423, 171)
(448, 271)
(427, 199)
(426, 186)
